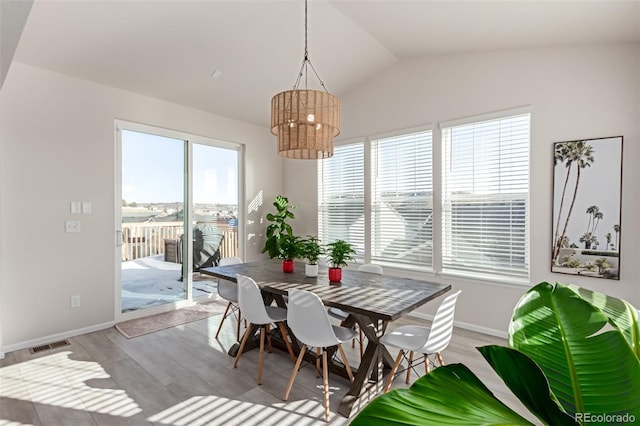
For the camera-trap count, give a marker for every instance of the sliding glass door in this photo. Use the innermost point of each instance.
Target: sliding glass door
(178, 197)
(152, 220)
(214, 211)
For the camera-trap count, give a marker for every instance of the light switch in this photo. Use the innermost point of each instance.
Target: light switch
(86, 207)
(72, 226)
(76, 207)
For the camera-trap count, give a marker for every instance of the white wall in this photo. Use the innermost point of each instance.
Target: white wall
(57, 144)
(574, 92)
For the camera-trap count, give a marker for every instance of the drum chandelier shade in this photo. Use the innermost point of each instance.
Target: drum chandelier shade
(304, 120)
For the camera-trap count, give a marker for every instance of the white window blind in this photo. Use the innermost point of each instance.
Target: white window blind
(401, 200)
(486, 197)
(341, 197)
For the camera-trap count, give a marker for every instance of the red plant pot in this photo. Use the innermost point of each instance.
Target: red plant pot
(335, 275)
(287, 266)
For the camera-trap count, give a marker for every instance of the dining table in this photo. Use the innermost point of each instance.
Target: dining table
(371, 300)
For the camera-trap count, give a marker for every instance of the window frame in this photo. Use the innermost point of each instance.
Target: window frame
(510, 279)
(369, 195)
(363, 254)
(438, 170)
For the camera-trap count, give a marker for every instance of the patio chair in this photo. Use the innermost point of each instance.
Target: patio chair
(207, 240)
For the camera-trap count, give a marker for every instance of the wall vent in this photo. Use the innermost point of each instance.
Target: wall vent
(48, 346)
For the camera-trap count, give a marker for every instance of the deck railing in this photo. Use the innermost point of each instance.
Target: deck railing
(153, 238)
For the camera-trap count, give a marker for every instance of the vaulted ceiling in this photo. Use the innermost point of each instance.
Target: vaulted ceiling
(170, 49)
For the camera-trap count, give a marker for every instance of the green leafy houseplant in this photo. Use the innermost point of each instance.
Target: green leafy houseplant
(289, 248)
(311, 250)
(574, 356)
(279, 227)
(339, 253)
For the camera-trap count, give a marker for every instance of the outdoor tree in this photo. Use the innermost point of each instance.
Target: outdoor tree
(616, 229)
(560, 156)
(595, 216)
(603, 264)
(591, 210)
(588, 239)
(576, 153)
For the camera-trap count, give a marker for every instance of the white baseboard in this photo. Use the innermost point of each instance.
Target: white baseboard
(466, 326)
(55, 337)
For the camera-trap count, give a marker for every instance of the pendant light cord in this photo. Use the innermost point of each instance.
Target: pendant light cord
(306, 61)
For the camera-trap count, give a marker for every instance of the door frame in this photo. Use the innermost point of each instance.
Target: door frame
(187, 252)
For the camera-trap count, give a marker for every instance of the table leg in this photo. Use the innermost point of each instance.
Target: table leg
(369, 378)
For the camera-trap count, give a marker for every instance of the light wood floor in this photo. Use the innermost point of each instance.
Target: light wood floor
(183, 376)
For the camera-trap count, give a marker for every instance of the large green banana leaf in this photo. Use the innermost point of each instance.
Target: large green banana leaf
(590, 365)
(454, 395)
(449, 395)
(527, 382)
(621, 314)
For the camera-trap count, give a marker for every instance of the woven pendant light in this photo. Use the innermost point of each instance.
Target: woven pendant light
(305, 121)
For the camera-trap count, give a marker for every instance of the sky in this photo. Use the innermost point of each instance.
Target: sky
(599, 185)
(153, 171)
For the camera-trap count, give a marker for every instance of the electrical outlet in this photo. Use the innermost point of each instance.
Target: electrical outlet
(75, 301)
(72, 226)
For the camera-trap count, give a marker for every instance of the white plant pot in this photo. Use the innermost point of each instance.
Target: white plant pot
(311, 270)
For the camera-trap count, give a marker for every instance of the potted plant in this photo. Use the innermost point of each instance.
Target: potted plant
(311, 250)
(290, 248)
(339, 253)
(279, 227)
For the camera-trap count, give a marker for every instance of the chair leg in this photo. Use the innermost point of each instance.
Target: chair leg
(440, 358)
(269, 348)
(238, 332)
(294, 372)
(283, 332)
(346, 363)
(361, 340)
(409, 367)
(393, 370)
(261, 356)
(224, 317)
(318, 362)
(244, 341)
(325, 384)
(426, 365)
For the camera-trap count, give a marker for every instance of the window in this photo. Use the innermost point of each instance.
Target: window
(485, 204)
(378, 195)
(401, 200)
(341, 197)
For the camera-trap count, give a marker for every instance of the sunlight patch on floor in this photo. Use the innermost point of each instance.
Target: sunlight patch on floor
(60, 381)
(214, 410)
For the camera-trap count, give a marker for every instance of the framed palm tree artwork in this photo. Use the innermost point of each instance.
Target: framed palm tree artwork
(587, 205)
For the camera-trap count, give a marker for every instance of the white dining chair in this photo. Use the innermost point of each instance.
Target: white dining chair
(259, 315)
(309, 322)
(425, 340)
(342, 315)
(228, 290)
